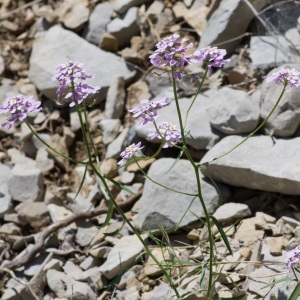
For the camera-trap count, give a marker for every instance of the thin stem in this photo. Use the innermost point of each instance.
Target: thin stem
(194, 99)
(253, 132)
(52, 149)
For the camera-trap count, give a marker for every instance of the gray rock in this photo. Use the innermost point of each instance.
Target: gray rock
(121, 256)
(90, 262)
(167, 208)
(286, 118)
(78, 204)
(131, 273)
(232, 211)
(34, 266)
(72, 270)
(16, 291)
(2, 65)
(117, 146)
(110, 129)
(85, 233)
(5, 198)
(66, 45)
(163, 291)
(43, 161)
(260, 163)
(17, 157)
(76, 16)
(124, 28)
(98, 20)
(276, 51)
(230, 20)
(115, 99)
(121, 6)
(204, 137)
(293, 37)
(36, 214)
(25, 183)
(94, 278)
(64, 286)
(232, 111)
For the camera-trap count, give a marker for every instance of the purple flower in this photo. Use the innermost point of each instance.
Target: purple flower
(149, 111)
(171, 51)
(169, 132)
(129, 152)
(212, 55)
(293, 258)
(19, 107)
(288, 76)
(71, 75)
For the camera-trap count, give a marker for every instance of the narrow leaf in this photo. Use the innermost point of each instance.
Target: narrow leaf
(232, 298)
(296, 292)
(278, 281)
(175, 162)
(223, 235)
(113, 233)
(81, 183)
(121, 186)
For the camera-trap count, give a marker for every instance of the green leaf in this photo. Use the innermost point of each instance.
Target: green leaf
(121, 186)
(113, 233)
(223, 235)
(81, 183)
(203, 272)
(232, 298)
(278, 281)
(296, 292)
(175, 162)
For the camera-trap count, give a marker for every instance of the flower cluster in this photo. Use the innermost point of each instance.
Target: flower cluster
(148, 112)
(129, 152)
(290, 77)
(293, 258)
(19, 107)
(71, 76)
(169, 132)
(171, 51)
(212, 55)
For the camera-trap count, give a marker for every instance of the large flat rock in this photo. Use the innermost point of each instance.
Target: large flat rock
(161, 207)
(260, 163)
(59, 45)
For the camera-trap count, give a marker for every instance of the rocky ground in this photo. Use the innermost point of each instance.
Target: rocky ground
(52, 246)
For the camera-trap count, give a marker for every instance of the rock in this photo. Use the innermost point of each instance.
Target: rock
(124, 27)
(230, 212)
(17, 157)
(196, 18)
(167, 208)
(286, 118)
(155, 9)
(98, 20)
(68, 46)
(25, 183)
(5, 197)
(36, 214)
(204, 137)
(43, 161)
(72, 270)
(151, 268)
(35, 265)
(232, 111)
(247, 233)
(90, 262)
(131, 273)
(121, 256)
(117, 146)
(121, 6)
(2, 65)
(109, 43)
(94, 278)
(115, 99)
(252, 164)
(64, 286)
(275, 51)
(76, 16)
(162, 291)
(86, 232)
(229, 20)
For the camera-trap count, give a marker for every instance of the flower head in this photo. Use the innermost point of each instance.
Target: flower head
(71, 76)
(212, 55)
(293, 258)
(129, 152)
(149, 111)
(171, 51)
(169, 132)
(19, 107)
(286, 76)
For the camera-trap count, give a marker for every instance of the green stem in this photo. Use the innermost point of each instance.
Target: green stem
(253, 132)
(52, 149)
(194, 99)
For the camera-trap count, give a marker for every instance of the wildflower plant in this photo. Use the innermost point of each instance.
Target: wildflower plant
(172, 53)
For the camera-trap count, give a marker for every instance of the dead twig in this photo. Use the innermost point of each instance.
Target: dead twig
(21, 261)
